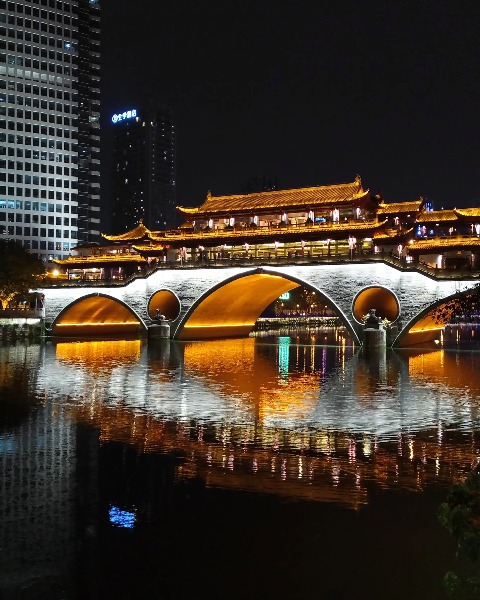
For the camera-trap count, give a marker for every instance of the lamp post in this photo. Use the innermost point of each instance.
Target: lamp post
(351, 246)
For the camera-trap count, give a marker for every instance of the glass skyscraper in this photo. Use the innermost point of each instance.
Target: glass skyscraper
(49, 124)
(144, 167)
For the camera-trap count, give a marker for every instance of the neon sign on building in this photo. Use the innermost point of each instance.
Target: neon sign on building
(123, 116)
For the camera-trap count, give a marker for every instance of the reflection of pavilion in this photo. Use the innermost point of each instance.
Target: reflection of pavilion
(247, 420)
(323, 466)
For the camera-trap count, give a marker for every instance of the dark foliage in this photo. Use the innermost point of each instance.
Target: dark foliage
(464, 307)
(460, 515)
(18, 271)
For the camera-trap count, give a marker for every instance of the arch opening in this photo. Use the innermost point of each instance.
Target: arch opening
(166, 303)
(429, 323)
(232, 308)
(97, 315)
(381, 299)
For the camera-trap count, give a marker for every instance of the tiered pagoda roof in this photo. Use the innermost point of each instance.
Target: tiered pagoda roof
(468, 213)
(307, 198)
(394, 208)
(438, 216)
(262, 234)
(444, 243)
(142, 243)
(100, 260)
(140, 232)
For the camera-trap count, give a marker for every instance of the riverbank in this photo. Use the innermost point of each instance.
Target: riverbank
(21, 329)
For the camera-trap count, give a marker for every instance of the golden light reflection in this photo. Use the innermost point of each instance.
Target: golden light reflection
(233, 309)
(98, 355)
(239, 367)
(323, 465)
(277, 461)
(296, 399)
(438, 366)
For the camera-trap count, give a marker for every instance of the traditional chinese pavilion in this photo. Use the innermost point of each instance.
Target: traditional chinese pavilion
(301, 224)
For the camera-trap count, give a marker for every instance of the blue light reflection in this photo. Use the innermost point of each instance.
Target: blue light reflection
(121, 518)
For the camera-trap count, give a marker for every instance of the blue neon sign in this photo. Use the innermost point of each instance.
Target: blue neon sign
(123, 116)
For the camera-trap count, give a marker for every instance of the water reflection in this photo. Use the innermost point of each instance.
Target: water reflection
(291, 418)
(115, 432)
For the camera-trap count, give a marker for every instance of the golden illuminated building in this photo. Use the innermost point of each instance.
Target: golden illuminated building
(305, 224)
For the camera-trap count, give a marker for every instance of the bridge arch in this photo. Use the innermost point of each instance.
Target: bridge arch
(429, 322)
(232, 307)
(378, 297)
(166, 302)
(97, 315)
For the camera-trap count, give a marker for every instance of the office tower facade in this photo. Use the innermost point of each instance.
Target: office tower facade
(144, 165)
(49, 124)
(260, 183)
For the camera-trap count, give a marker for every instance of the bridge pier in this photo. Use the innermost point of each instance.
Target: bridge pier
(159, 330)
(374, 333)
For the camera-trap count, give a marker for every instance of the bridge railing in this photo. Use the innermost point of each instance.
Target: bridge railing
(249, 231)
(275, 261)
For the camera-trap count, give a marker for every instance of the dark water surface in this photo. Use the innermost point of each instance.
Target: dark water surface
(254, 468)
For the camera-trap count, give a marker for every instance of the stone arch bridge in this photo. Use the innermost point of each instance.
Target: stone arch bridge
(202, 303)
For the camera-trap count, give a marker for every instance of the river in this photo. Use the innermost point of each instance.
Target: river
(293, 467)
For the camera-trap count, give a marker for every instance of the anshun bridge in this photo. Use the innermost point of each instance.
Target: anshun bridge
(235, 255)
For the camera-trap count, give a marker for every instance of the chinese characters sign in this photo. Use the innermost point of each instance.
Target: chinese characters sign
(123, 116)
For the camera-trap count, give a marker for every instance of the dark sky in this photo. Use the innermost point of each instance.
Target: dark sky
(313, 92)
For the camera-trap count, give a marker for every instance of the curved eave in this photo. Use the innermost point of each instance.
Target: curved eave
(151, 249)
(137, 233)
(468, 213)
(446, 216)
(385, 236)
(444, 244)
(390, 210)
(185, 210)
(266, 235)
(244, 209)
(98, 261)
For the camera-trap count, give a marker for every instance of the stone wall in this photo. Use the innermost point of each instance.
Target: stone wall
(340, 283)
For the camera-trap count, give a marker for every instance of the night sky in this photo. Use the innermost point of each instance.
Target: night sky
(311, 92)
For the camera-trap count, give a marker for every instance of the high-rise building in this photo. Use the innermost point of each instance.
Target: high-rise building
(88, 120)
(49, 124)
(144, 164)
(260, 183)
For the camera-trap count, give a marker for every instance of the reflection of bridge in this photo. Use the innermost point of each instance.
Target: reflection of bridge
(294, 440)
(207, 303)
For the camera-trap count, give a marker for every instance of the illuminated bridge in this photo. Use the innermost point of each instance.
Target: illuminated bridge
(207, 303)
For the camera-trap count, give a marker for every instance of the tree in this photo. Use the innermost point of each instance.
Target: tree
(18, 271)
(463, 306)
(460, 515)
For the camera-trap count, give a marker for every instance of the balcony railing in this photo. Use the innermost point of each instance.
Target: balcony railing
(250, 232)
